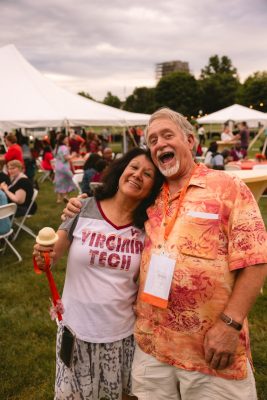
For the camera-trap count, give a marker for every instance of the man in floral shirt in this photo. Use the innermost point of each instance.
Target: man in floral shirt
(203, 266)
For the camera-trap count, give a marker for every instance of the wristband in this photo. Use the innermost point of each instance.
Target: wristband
(229, 321)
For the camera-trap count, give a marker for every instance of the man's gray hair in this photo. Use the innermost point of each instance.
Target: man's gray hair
(177, 118)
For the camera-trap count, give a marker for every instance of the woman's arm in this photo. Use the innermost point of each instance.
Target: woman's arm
(18, 197)
(70, 156)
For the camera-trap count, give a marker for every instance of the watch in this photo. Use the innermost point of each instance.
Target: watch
(229, 321)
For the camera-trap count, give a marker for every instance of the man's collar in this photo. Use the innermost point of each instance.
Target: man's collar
(199, 176)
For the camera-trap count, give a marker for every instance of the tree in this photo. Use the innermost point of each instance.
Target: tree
(142, 100)
(254, 91)
(218, 66)
(87, 95)
(111, 100)
(219, 84)
(180, 92)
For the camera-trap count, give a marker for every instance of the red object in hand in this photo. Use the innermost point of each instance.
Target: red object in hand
(53, 289)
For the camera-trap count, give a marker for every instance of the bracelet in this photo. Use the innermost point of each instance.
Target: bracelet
(229, 321)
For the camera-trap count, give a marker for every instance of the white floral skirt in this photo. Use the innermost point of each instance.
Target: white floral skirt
(100, 371)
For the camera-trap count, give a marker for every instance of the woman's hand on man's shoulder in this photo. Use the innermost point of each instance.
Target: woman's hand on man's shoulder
(73, 207)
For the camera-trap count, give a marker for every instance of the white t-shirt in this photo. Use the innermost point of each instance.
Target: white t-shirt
(100, 285)
(201, 131)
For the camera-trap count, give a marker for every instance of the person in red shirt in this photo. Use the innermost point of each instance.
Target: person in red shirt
(75, 142)
(46, 161)
(47, 157)
(100, 167)
(14, 151)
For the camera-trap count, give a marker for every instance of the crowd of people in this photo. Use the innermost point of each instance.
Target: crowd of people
(177, 327)
(236, 145)
(20, 160)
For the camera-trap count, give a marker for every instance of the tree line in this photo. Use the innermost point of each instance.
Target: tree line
(218, 86)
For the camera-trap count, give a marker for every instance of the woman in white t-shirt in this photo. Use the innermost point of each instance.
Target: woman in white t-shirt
(213, 159)
(227, 135)
(105, 242)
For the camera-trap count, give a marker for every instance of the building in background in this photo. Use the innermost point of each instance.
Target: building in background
(165, 68)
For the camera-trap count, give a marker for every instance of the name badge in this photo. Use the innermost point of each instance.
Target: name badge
(158, 281)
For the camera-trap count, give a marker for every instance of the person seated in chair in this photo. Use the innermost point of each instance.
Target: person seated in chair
(20, 191)
(100, 167)
(5, 223)
(46, 160)
(89, 172)
(213, 158)
(3, 176)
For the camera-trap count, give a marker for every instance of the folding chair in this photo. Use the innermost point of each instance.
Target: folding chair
(77, 179)
(45, 174)
(9, 210)
(20, 222)
(77, 165)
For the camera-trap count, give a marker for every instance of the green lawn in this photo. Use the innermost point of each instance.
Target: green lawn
(27, 335)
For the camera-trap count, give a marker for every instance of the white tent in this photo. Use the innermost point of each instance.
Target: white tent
(28, 100)
(236, 113)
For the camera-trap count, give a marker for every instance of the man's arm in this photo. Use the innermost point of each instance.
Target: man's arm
(221, 340)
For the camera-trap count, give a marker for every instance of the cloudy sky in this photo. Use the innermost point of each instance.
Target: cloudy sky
(113, 45)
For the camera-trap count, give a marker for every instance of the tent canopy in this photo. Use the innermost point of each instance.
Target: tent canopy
(28, 100)
(236, 113)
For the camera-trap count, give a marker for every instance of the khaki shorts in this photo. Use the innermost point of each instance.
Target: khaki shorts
(153, 380)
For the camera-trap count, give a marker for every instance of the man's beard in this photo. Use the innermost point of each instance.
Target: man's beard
(169, 172)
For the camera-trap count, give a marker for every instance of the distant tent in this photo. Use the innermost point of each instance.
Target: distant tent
(236, 113)
(28, 100)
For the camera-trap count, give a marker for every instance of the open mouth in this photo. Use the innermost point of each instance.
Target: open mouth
(166, 157)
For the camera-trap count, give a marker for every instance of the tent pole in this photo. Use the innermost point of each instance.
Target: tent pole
(260, 131)
(124, 141)
(66, 126)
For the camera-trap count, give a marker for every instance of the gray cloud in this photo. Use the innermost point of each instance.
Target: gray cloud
(104, 45)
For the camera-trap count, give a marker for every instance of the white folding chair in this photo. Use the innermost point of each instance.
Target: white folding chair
(77, 165)
(204, 151)
(118, 155)
(77, 179)
(9, 210)
(44, 173)
(20, 220)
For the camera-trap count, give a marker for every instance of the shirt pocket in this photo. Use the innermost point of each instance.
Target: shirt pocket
(199, 237)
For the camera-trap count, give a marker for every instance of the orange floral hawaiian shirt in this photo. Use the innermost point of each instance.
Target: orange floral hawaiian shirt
(208, 253)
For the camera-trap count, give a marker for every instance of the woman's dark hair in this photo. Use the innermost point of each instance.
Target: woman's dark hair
(91, 161)
(111, 179)
(101, 165)
(213, 147)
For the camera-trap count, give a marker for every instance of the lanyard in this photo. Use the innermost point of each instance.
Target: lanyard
(170, 224)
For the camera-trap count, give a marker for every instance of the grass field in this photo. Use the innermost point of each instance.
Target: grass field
(27, 334)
